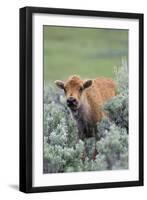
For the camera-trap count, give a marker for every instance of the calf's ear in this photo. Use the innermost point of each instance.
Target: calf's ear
(60, 84)
(87, 84)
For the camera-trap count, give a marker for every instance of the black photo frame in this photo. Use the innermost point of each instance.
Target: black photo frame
(26, 96)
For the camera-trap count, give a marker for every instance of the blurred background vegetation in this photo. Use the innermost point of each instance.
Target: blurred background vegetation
(88, 52)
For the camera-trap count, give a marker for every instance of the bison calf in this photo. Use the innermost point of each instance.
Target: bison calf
(85, 99)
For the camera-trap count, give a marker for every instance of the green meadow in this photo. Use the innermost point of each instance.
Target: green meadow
(88, 52)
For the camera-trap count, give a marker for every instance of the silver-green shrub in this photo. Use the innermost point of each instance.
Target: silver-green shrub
(64, 152)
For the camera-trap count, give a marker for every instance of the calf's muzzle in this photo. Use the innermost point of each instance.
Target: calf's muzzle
(72, 102)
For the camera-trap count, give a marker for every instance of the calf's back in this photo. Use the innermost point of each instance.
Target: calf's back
(102, 89)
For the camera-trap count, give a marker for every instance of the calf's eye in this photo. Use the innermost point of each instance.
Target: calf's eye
(80, 89)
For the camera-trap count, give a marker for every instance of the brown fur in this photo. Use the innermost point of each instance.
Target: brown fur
(90, 100)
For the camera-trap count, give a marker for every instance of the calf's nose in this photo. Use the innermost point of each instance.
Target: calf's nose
(71, 101)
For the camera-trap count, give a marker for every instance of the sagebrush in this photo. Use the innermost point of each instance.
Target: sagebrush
(64, 152)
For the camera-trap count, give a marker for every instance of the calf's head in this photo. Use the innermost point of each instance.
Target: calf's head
(73, 89)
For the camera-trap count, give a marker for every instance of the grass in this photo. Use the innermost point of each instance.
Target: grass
(83, 51)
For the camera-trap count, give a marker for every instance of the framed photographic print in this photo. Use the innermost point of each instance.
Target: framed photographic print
(81, 99)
